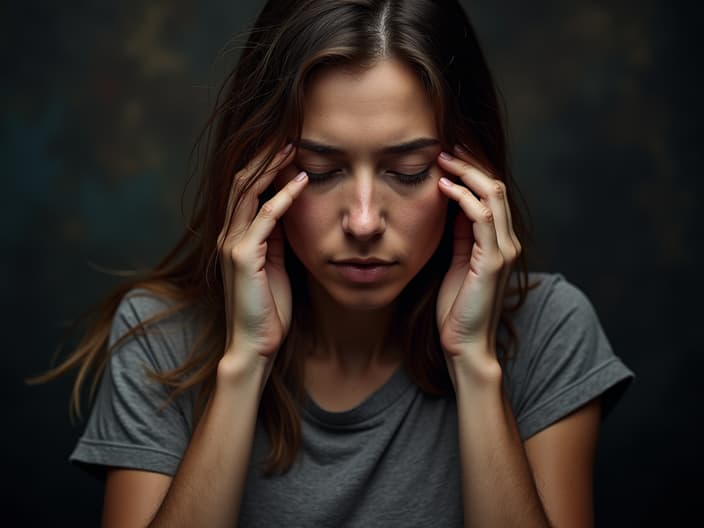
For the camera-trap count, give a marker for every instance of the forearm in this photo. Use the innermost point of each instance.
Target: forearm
(208, 486)
(497, 484)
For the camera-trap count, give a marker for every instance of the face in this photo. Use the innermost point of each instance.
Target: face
(371, 215)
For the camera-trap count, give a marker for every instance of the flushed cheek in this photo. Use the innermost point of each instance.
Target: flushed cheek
(306, 220)
(422, 219)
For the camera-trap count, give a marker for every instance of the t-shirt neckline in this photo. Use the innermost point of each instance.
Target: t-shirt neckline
(375, 403)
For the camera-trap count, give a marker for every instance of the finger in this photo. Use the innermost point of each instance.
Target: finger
(238, 219)
(483, 218)
(272, 211)
(509, 244)
(514, 237)
(250, 190)
(241, 176)
(491, 191)
(473, 160)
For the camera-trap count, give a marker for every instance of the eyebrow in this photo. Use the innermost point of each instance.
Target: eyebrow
(408, 146)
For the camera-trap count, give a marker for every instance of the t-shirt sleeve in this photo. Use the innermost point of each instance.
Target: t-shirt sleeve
(568, 360)
(129, 424)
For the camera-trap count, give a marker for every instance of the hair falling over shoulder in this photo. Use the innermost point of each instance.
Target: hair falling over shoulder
(260, 103)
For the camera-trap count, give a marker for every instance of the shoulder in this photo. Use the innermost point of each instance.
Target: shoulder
(552, 299)
(552, 285)
(563, 357)
(139, 305)
(556, 319)
(137, 420)
(154, 328)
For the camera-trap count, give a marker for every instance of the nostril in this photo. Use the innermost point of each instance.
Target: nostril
(365, 228)
(363, 223)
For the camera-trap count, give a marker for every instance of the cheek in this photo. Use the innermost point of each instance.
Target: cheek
(423, 218)
(305, 221)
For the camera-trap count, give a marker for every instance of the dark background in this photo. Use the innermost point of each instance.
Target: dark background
(102, 102)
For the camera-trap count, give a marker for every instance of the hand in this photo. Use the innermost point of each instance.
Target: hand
(485, 248)
(251, 249)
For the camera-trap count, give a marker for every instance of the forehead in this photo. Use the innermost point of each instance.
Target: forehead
(360, 109)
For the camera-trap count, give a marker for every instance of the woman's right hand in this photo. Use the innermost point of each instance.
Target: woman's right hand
(257, 289)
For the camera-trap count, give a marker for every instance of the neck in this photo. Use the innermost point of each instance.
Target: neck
(351, 341)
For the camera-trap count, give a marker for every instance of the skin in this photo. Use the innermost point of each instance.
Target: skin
(544, 481)
(364, 209)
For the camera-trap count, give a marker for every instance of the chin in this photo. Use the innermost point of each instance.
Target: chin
(364, 299)
(361, 306)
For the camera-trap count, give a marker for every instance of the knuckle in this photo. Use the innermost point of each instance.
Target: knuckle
(267, 208)
(464, 166)
(467, 196)
(239, 175)
(235, 253)
(498, 188)
(240, 185)
(243, 172)
(486, 215)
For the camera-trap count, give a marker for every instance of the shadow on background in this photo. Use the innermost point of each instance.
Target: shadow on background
(102, 105)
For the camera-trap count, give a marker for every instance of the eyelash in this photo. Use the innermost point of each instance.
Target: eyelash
(406, 179)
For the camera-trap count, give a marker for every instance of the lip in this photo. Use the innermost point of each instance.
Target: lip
(363, 261)
(363, 270)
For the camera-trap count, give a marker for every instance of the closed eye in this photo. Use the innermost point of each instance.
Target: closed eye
(406, 179)
(413, 179)
(317, 177)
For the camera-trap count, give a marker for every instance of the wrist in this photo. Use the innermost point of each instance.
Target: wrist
(240, 367)
(477, 368)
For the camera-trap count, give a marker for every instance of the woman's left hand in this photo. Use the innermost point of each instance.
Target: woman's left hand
(485, 247)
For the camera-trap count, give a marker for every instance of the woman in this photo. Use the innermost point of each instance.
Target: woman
(352, 302)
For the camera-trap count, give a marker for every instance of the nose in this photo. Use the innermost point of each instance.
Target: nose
(363, 217)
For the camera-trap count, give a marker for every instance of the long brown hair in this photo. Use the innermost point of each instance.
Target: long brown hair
(261, 103)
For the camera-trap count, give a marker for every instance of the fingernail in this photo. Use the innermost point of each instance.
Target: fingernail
(288, 148)
(445, 182)
(460, 150)
(445, 155)
(301, 176)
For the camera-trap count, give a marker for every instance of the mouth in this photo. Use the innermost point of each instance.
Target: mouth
(368, 262)
(364, 270)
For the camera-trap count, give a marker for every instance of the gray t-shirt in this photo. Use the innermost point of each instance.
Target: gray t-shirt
(393, 460)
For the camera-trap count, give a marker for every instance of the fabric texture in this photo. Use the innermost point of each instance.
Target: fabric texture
(393, 460)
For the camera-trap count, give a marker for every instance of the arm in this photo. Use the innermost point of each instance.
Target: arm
(208, 486)
(562, 460)
(207, 489)
(499, 475)
(132, 496)
(209, 483)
